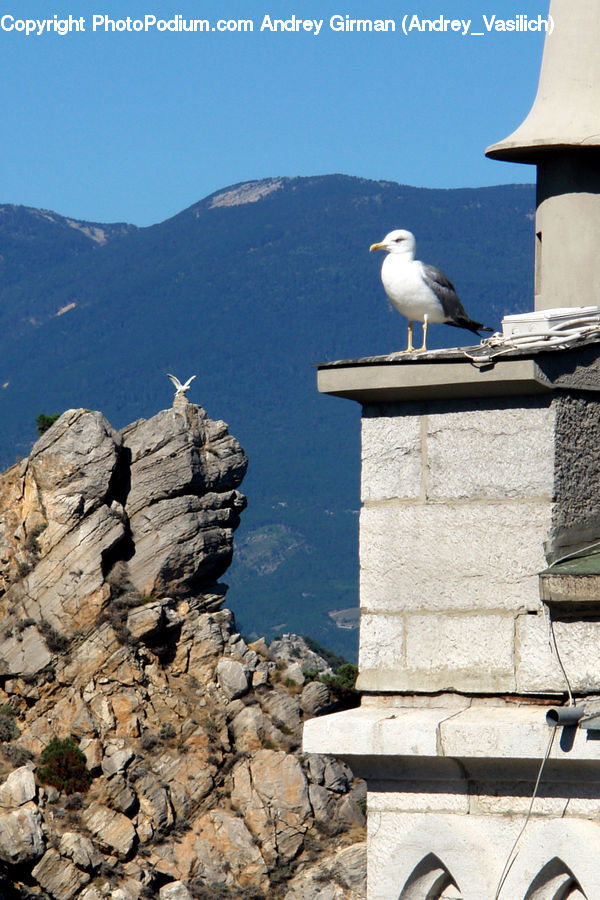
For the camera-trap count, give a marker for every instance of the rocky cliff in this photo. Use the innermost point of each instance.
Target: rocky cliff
(113, 640)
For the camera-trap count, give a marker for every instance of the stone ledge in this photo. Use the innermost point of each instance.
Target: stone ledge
(477, 732)
(450, 373)
(390, 381)
(474, 681)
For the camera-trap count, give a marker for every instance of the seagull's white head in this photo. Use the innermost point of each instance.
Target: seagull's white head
(398, 241)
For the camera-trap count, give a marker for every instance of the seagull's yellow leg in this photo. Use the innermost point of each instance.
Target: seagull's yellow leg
(409, 346)
(424, 347)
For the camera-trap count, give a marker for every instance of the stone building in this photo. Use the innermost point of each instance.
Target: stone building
(479, 728)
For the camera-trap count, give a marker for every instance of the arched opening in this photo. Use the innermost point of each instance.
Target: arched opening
(555, 882)
(431, 880)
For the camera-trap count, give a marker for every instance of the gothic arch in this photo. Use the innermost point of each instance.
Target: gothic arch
(438, 858)
(557, 861)
(554, 882)
(429, 881)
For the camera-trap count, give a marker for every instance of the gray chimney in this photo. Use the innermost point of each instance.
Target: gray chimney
(561, 136)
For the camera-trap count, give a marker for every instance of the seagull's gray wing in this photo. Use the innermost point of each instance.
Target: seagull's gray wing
(176, 381)
(445, 292)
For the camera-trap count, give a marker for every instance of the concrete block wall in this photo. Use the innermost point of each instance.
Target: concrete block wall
(450, 782)
(460, 500)
(465, 501)
(431, 852)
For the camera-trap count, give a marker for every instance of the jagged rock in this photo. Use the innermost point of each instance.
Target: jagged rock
(293, 649)
(249, 728)
(80, 850)
(260, 646)
(233, 678)
(175, 531)
(349, 813)
(66, 587)
(260, 676)
(152, 620)
(358, 792)
(25, 652)
(83, 723)
(190, 776)
(316, 767)
(293, 673)
(167, 700)
(341, 876)
(21, 836)
(48, 793)
(315, 698)
(68, 520)
(117, 757)
(284, 710)
(182, 503)
(178, 452)
(271, 791)
(207, 636)
(176, 890)
(219, 849)
(337, 775)
(59, 877)
(127, 704)
(88, 659)
(331, 811)
(11, 525)
(90, 893)
(129, 889)
(118, 795)
(19, 788)
(112, 830)
(154, 802)
(71, 467)
(92, 750)
(323, 803)
(238, 648)
(182, 542)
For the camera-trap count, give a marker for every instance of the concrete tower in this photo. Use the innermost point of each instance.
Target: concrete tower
(561, 136)
(474, 479)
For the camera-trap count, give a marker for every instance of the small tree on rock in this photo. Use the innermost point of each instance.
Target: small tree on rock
(43, 422)
(63, 765)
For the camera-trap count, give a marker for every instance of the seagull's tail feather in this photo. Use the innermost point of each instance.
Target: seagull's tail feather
(470, 325)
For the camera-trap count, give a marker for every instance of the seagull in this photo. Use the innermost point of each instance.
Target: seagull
(181, 389)
(420, 292)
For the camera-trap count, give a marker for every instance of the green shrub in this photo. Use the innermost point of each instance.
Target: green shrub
(9, 730)
(44, 422)
(63, 765)
(55, 642)
(167, 731)
(148, 741)
(342, 685)
(16, 755)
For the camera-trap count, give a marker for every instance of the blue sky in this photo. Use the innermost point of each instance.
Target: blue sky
(136, 126)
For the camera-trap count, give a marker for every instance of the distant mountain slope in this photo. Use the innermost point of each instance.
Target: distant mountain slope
(35, 240)
(249, 288)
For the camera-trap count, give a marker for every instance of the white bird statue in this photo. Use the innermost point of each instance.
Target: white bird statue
(181, 389)
(420, 292)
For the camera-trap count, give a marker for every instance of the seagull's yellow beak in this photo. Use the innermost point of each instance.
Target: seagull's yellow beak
(378, 246)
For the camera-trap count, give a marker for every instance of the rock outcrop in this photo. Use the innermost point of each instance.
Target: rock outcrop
(113, 634)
